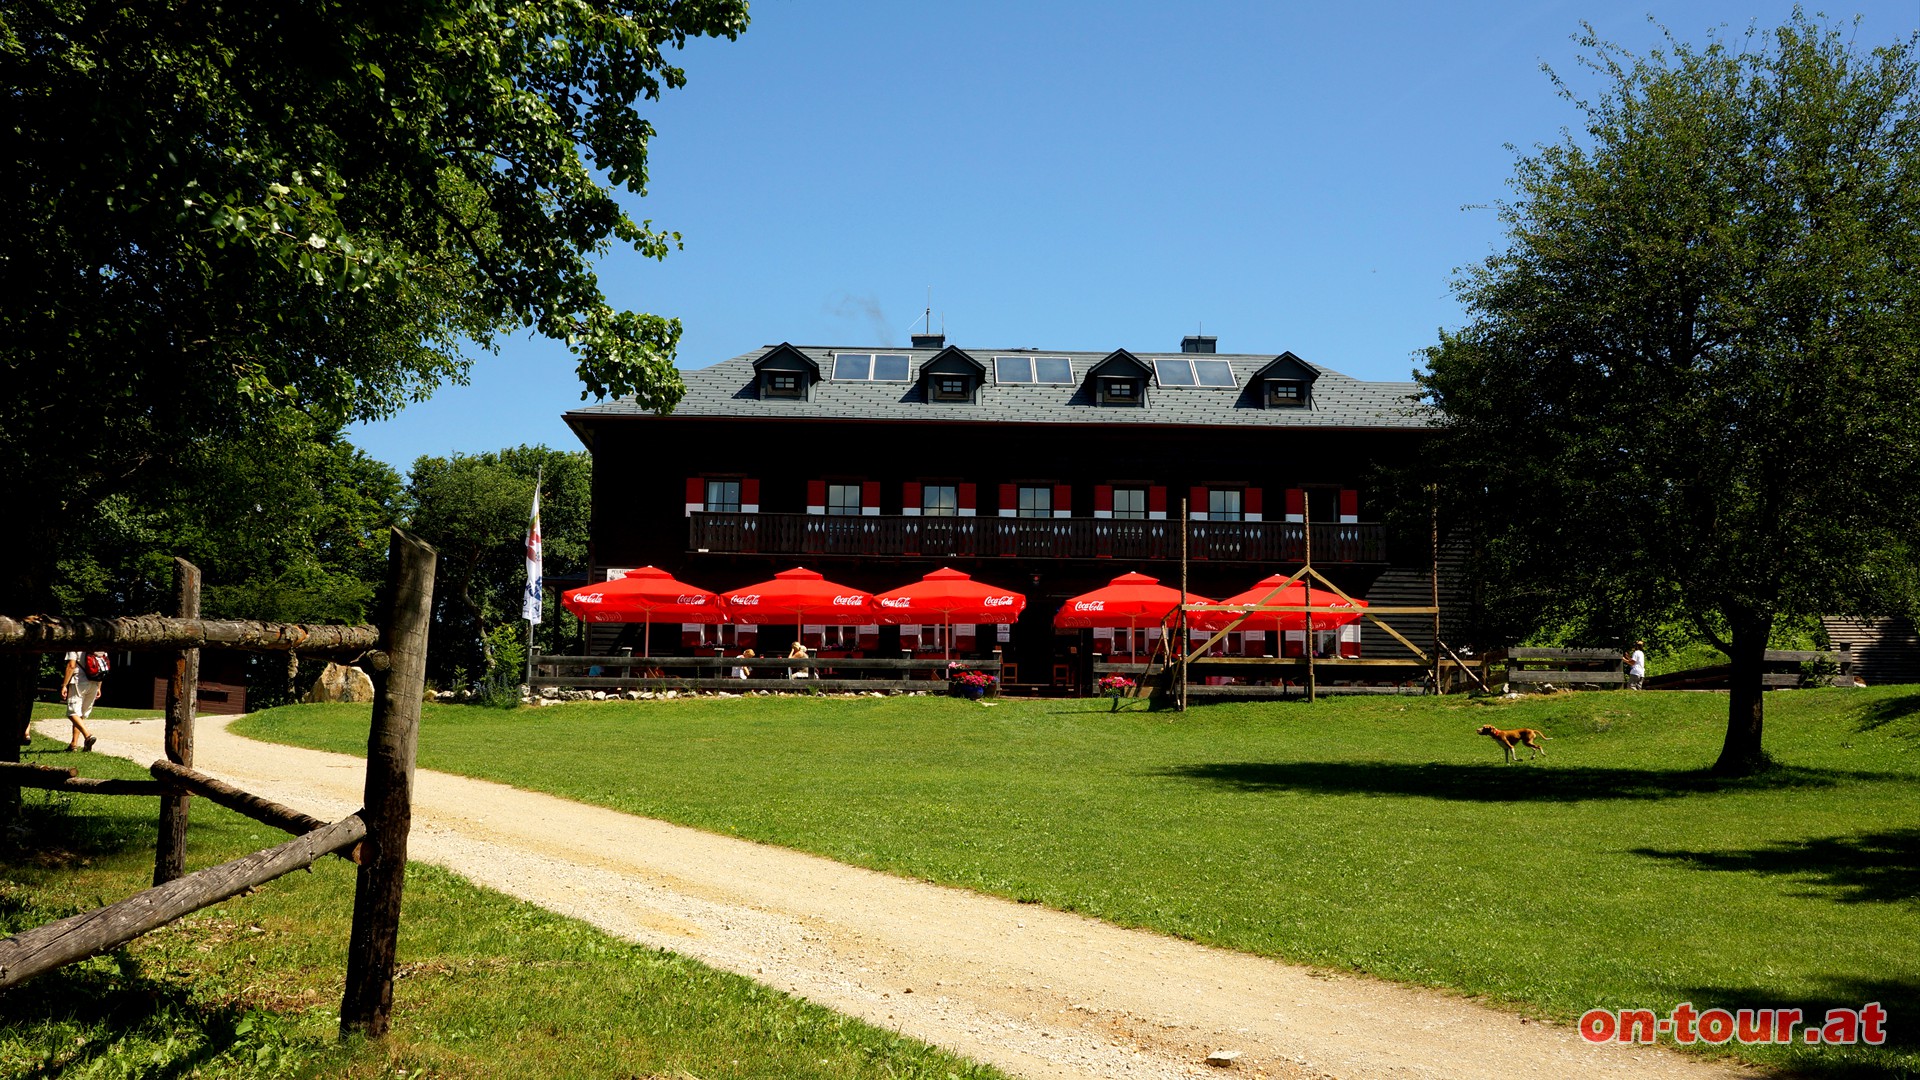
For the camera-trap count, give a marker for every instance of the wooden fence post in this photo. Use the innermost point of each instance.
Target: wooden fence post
(183, 689)
(367, 1006)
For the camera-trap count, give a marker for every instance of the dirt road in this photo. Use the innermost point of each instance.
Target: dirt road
(1036, 992)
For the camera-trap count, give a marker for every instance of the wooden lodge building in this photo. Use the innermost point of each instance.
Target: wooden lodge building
(1048, 472)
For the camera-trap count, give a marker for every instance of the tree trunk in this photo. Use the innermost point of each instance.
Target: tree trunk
(1746, 704)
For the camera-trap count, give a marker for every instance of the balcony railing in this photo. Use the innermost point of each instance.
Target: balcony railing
(1032, 538)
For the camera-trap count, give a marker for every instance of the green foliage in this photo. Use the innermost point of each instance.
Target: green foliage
(221, 216)
(1366, 834)
(490, 986)
(473, 508)
(506, 667)
(1689, 388)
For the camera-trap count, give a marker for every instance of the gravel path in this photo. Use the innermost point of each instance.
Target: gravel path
(1037, 992)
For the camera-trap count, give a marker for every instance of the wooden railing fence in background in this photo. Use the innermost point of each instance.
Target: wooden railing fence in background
(376, 837)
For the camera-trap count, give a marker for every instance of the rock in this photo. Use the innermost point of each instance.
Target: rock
(633, 695)
(1222, 1059)
(338, 682)
(599, 695)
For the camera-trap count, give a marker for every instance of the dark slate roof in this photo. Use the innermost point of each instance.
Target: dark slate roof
(728, 389)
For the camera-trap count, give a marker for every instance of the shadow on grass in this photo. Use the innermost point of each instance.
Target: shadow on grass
(1498, 783)
(1899, 997)
(1891, 711)
(124, 1015)
(51, 832)
(1878, 867)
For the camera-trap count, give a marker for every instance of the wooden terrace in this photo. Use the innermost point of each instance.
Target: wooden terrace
(1265, 542)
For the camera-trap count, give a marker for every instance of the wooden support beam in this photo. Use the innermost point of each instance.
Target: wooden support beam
(219, 792)
(1471, 674)
(44, 948)
(170, 849)
(63, 633)
(53, 778)
(367, 1005)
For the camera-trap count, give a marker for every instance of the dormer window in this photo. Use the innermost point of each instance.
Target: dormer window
(1286, 393)
(781, 384)
(951, 388)
(1117, 391)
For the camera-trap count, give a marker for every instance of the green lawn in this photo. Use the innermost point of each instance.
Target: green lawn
(489, 986)
(1379, 835)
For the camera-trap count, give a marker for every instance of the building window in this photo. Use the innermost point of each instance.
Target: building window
(1282, 393)
(1117, 391)
(870, 367)
(782, 384)
(1035, 502)
(940, 500)
(723, 496)
(1130, 503)
(951, 388)
(1185, 372)
(1032, 369)
(1223, 504)
(843, 500)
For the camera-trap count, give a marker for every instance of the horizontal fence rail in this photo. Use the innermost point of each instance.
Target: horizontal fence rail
(57, 633)
(1031, 538)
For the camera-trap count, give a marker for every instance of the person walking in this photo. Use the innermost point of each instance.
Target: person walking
(81, 687)
(1636, 662)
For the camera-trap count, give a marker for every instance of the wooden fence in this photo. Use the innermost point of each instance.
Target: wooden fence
(1583, 669)
(763, 673)
(375, 837)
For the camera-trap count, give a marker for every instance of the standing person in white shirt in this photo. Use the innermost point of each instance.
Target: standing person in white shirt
(81, 690)
(1637, 666)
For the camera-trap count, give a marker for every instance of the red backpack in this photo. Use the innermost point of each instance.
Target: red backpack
(97, 665)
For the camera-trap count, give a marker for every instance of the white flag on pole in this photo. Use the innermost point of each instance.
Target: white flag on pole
(530, 601)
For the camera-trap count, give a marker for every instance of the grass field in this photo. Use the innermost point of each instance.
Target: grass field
(489, 986)
(1366, 834)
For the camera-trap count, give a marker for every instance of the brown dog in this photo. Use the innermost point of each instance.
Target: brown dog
(1525, 736)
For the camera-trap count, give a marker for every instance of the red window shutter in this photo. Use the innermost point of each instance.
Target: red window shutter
(1009, 497)
(1349, 504)
(870, 495)
(750, 492)
(1062, 498)
(1103, 498)
(1156, 500)
(910, 495)
(816, 493)
(1253, 502)
(1296, 502)
(697, 490)
(968, 497)
(1196, 500)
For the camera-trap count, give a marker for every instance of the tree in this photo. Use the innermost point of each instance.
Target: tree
(221, 216)
(473, 508)
(1690, 382)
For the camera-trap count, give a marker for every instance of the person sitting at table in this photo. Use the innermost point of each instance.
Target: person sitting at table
(739, 671)
(798, 652)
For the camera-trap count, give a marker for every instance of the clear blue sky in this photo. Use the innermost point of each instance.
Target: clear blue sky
(1074, 174)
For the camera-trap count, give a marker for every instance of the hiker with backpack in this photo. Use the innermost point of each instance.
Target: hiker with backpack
(86, 676)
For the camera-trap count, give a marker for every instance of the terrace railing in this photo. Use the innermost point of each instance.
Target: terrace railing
(1032, 538)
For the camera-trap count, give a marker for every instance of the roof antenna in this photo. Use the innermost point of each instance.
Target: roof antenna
(929, 310)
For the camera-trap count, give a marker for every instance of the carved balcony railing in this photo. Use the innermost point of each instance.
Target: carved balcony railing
(1032, 538)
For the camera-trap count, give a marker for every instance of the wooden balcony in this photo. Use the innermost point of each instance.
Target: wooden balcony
(1032, 538)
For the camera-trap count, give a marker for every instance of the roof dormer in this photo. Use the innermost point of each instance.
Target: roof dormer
(1285, 383)
(1119, 379)
(784, 373)
(952, 377)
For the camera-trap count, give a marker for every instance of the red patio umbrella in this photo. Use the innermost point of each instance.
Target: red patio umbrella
(640, 596)
(954, 597)
(1329, 610)
(1127, 600)
(803, 594)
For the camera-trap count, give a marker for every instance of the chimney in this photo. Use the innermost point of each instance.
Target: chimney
(930, 341)
(1194, 343)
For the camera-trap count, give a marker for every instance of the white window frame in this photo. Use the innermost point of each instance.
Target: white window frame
(1034, 501)
(723, 504)
(1131, 513)
(838, 507)
(950, 507)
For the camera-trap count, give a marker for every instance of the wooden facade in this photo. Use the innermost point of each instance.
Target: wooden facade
(1051, 509)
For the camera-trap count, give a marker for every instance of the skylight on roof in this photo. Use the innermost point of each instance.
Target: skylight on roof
(1032, 369)
(870, 367)
(1184, 372)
